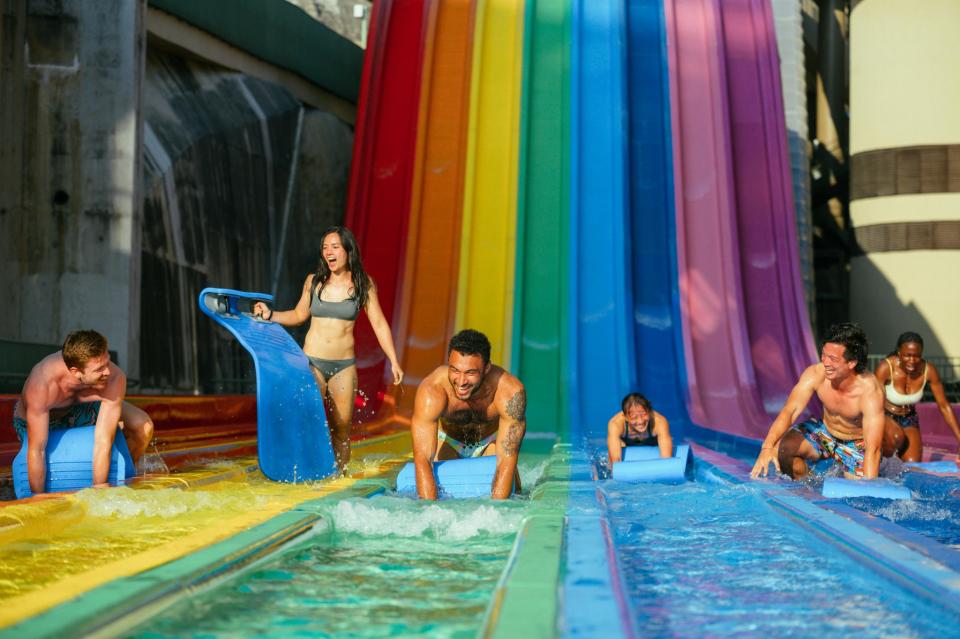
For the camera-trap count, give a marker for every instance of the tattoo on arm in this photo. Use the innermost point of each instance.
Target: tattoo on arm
(511, 443)
(517, 406)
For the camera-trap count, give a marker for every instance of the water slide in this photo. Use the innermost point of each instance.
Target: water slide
(378, 206)
(602, 345)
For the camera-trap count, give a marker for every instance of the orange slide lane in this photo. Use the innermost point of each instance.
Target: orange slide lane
(425, 318)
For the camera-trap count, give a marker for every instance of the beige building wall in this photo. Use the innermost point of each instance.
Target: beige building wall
(905, 170)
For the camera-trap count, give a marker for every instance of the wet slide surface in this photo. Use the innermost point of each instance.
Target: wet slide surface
(720, 375)
(427, 307)
(659, 361)
(601, 335)
(378, 207)
(540, 323)
(485, 295)
(781, 344)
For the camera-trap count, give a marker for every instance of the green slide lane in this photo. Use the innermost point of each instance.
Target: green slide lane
(540, 314)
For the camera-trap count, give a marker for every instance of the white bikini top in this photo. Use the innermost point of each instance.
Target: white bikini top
(897, 398)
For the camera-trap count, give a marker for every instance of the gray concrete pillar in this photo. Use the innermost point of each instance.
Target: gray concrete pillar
(70, 164)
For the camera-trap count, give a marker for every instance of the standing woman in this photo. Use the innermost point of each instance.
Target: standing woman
(332, 298)
(903, 375)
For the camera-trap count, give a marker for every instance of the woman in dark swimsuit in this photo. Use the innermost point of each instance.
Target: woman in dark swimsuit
(903, 374)
(637, 424)
(331, 299)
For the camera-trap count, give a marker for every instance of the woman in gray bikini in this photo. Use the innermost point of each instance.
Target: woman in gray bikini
(332, 298)
(903, 375)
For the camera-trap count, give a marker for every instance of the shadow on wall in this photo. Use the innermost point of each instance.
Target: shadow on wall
(221, 209)
(883, 328)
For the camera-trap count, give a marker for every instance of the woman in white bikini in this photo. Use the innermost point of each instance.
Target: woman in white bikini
(903, 375)
(331, 299)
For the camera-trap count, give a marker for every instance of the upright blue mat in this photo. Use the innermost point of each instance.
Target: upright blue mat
(293, 441)
(70, 462)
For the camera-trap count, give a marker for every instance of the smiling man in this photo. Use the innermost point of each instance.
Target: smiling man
(468, 408)
(78, 386)
(851, 430)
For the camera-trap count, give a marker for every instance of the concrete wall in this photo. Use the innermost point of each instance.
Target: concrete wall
(70, 75)
(905, 148)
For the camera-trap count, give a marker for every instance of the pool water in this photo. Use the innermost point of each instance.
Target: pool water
(391, 567)
(714, 560)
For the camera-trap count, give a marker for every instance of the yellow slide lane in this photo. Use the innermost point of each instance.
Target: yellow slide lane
(488, 244)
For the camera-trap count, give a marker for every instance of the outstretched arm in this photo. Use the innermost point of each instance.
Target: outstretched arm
(106, 428)
(512, 406)
(295, 316)
(873, 422)
(661, 428)
(936, 387)
(382, 330)
(796, 403)
(427, 408)
(614, 433)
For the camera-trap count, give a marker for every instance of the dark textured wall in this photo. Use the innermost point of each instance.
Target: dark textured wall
(219, 148)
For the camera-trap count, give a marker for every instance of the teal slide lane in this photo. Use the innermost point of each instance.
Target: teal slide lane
(661, 370)
(601, 335)
(540, 318)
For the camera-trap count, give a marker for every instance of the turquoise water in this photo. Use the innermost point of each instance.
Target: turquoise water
(706, 560)
(391, 568)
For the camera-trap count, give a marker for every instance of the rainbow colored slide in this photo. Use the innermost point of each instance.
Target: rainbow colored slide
(600, 186)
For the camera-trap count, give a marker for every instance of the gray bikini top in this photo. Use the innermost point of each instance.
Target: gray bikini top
(347, 309)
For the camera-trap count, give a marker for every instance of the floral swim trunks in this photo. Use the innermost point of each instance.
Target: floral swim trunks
(848, 453)
(82, 414)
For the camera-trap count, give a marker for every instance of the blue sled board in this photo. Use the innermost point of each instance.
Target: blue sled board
(935, 466)
(70, 462)
(293, 442)
(456, 478)
(644, 464)
(840, 488)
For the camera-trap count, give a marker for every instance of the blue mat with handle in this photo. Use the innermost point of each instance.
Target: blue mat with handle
(456, 478)
(293, 442)
(70, 462)
(644, 464)
(840, 488)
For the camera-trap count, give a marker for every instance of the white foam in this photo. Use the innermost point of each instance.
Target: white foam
(406, 518)
(165, 502)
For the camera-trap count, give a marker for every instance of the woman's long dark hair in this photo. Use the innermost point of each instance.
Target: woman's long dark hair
(361, 281)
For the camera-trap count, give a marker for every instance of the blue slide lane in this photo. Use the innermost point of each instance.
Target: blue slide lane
(601, 332)
(293, 442)
(656, 307)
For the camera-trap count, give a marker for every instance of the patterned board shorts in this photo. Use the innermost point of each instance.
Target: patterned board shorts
(83, 414)
(848, 453)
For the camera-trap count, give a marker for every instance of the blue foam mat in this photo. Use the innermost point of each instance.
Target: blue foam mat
(70, 462)
(840, 488)
(456, 478)
(293, 442)
(644, 464)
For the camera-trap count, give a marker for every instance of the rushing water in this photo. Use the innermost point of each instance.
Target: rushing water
(391, 568)
(706, 560)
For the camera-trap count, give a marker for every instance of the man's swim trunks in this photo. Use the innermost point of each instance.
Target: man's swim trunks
(849, 453)
(82, 414)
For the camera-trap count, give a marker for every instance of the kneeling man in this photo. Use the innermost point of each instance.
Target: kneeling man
(469, 408)
(851, 430)
(78, 386)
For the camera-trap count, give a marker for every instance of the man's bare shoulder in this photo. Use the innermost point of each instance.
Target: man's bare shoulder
(433, 384)
(42, 384)
(869, 383)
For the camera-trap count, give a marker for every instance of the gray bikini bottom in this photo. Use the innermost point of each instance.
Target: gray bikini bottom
(330, 367)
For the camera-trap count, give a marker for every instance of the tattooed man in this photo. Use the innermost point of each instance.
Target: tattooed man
(469, 408)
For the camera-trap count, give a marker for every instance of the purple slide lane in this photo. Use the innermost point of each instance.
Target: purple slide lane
(777, 323)
(723, 390)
